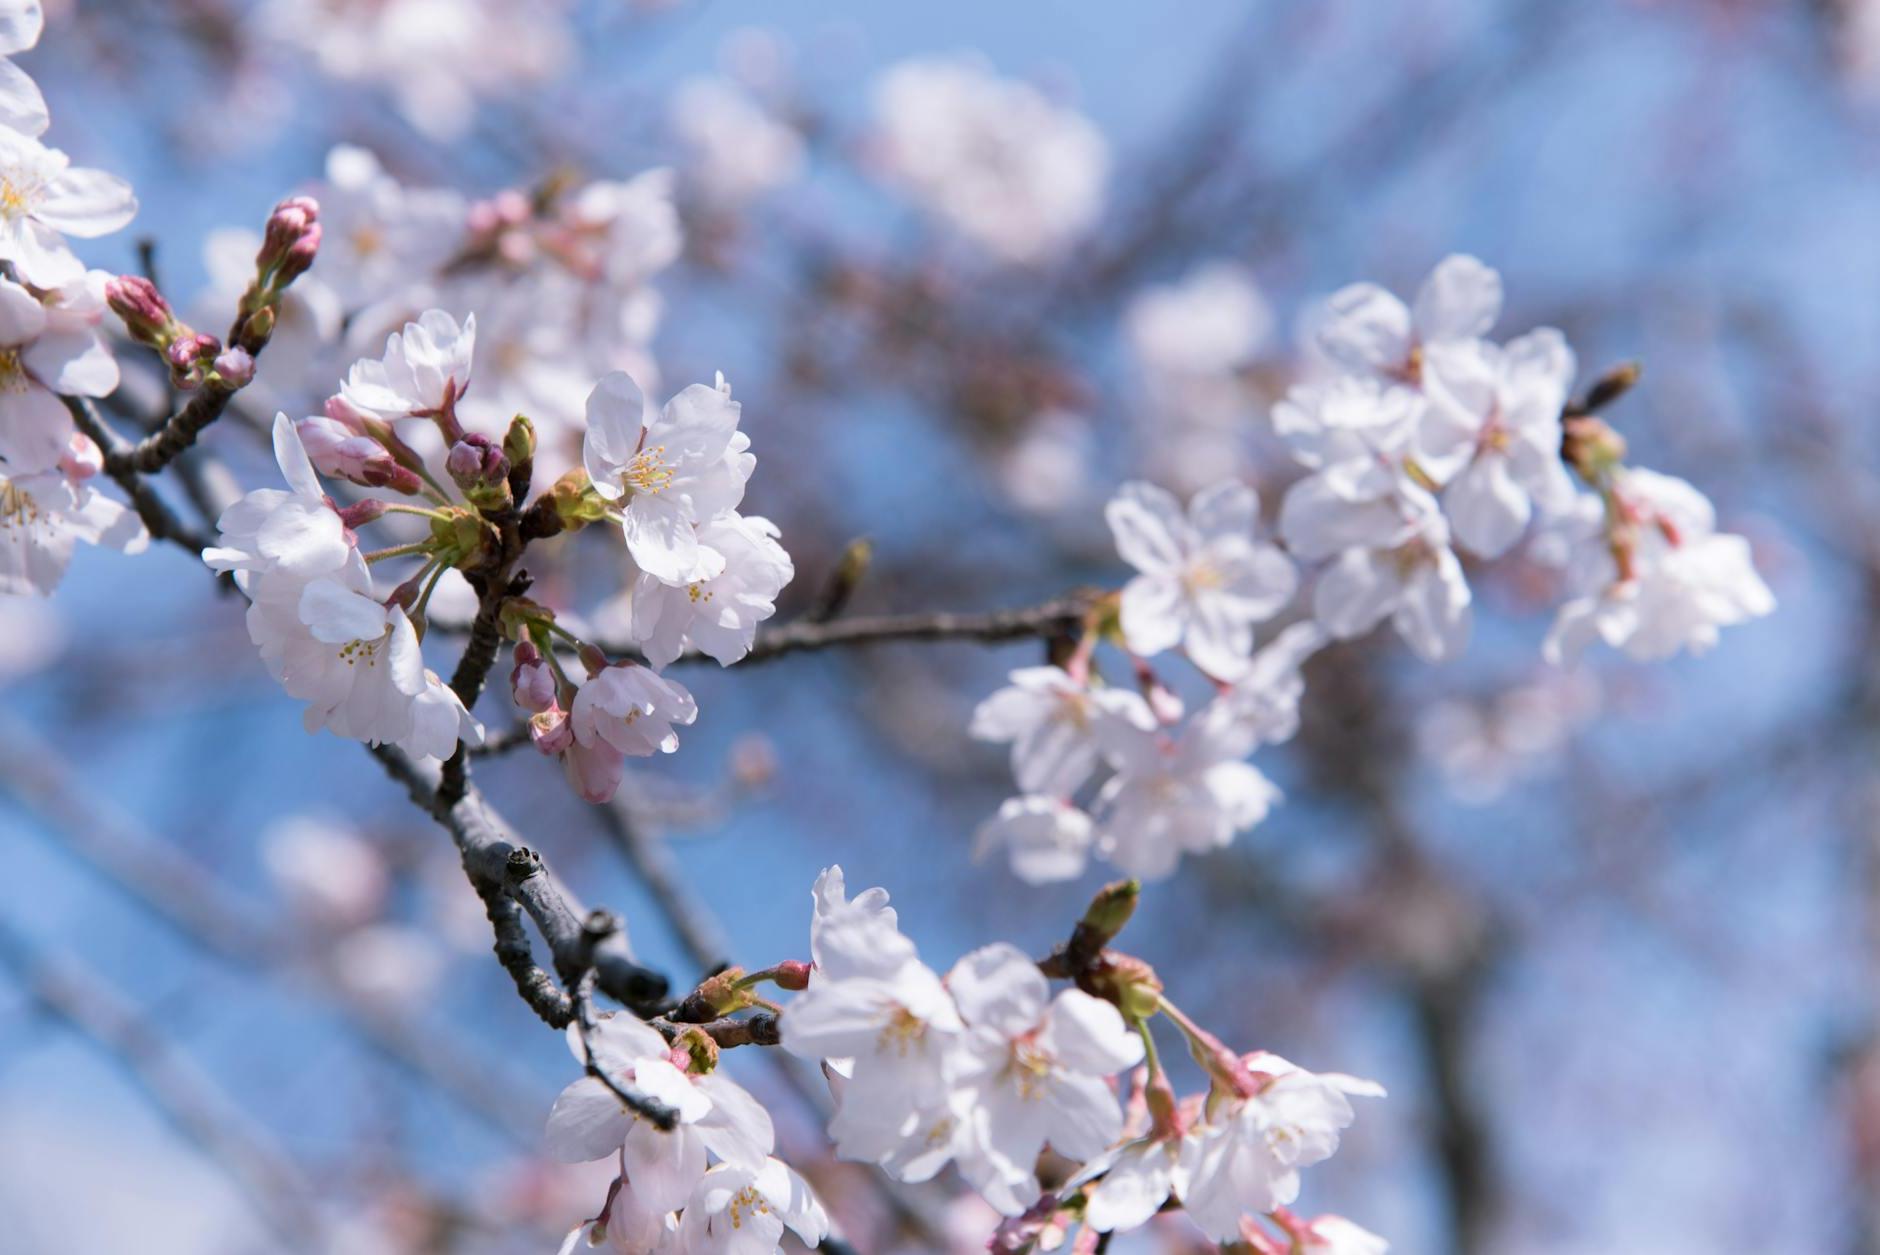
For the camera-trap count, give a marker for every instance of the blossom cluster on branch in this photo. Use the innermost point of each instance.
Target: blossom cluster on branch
(479, 374)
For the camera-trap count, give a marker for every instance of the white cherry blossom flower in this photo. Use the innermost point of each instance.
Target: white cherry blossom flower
(44, 198)
(1493, 434)
(631, 709)
(717, 616)
(1366, 329)
(44, 516)
(1034, 1069)
(1245, 1159)
(1408, 574)
(854, 936)
(297, 531)
(995, 159)
(715, 1116)
(1051, 720)
(425, 368)
(669, 474)
(1184, 794)
(1138, 1181)
(40, 362)
(1204, 581)
(1685, 580)
(1046, 838)
(737, 1210)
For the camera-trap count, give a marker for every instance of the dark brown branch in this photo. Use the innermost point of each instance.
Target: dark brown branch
(758, 1030)
(161, 521)
(492, 854)
(1054, 618)
(178, 433)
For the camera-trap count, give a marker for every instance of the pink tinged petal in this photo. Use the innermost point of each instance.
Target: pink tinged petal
(292, 458)
(616, 416)
(593, 771)
(1154, 614)
(1461, 299)
(1151, 532)
(1356, 592)
(72, 363)
(998, 987)
(587, 1122)
(1487, 510)
(22, 105)
(22, 317)
(86, 203)
(35, 429)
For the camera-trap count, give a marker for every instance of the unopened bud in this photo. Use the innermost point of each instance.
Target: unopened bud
(477, 466)
(291, 239)
(550, 731)
(190, 356)
(575, 502)
(1109, 911)
(147, 316)
(1128, 983)
(694, 1051)
(235, 367)
(592, 658)
(519, 441)
(360, 513)
(791, 974)
(531, 680)
(1610, 386)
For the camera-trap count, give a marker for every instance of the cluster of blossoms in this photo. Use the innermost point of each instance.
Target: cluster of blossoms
(559, 279)
(1417, 432)
(996, 160)
(1054, 1108)
(51, 311)
(672, 479)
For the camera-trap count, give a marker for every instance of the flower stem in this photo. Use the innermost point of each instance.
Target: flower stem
(399, 551)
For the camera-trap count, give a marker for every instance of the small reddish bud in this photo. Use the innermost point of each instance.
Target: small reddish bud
(361, 513)
(235, 367)
(293, 221)
(190, 355)
(791, 974)
(147, 316)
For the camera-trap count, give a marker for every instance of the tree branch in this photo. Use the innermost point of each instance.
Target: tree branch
(178, 433)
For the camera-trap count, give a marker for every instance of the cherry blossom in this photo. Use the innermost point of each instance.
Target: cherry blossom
(425, 368)
(717, 616)
(1051, 720)
(1400, 567)
(43, 357)
(44, 515)
(1033, 1070)
(1245, 1158)
(631, 709)
(1046, 838)
(737, 1210)
(1204, 581)
(998, 161)
(1189, 793)
(1364, 328)
(738, 150)
(1682, 579)
(669, 473)
(380, 236)
(44, 198)
(1498, 409)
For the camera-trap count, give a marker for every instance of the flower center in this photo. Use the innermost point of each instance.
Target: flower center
(1030, 1067)
(357, 650)
(17, 198)
(648, 472)
(746, 1201)
(903, 1032)
(1203, 576)
(12, 372)
(698, 593)
(17, 508)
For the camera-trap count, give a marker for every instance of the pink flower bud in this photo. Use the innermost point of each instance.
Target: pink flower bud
(288, 225)
(552, 733)
(189, 355)
(531, 679)
(145, 313)
(236, 366)
(360, 513)
(792, 974)
(336, 449)
(342, 411)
